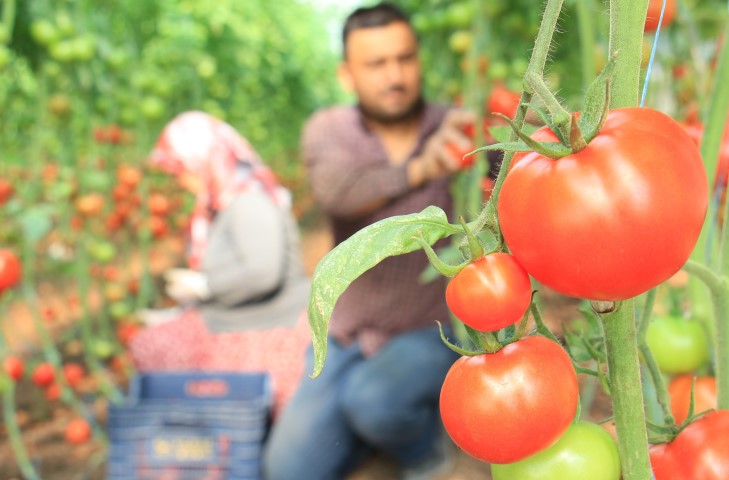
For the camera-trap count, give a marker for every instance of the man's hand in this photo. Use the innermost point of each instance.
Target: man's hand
(186, 286)
(438, 158)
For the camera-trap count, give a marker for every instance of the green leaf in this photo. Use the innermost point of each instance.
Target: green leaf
(596, 102)
(501, 133)
(359, 253)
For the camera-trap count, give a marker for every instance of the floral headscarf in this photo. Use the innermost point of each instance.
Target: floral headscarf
(200, 144)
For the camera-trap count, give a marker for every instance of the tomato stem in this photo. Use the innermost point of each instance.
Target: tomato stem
(586, 28)
(650, 362)
(440, 266)
(538, 59)
(625, 385)
(718, 286)
(577, 140)
(627, 19)
(534, 84)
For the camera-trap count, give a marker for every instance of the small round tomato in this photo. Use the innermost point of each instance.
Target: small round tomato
(600, 224)
(584, 451)
(74, 373)
(678, 345)
(43, 375)
(506, 406)
(654, 14)
(78, 431)
(680, 392)
(503, 101)
(490, 293)
(10, 269)
(6, 191)
(90, 205)
(14, 367)
(158, 204)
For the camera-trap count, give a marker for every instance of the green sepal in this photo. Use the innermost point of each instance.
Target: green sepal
(597, 102)
(548, 149)
(454, 347)
(547, 120)
(445, 269)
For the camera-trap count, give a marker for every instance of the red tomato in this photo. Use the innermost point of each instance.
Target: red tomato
(602, 223)
(6, 191)
(10, 269)
(700, 451)
(680, 391)
(43, 375)
(128, 175)
(696, 131)
(78, 431)
(90, 205)
(654, 14)
(74, 373)
(158, 204)
(504, 101)
(53, 392)
(490, 293)
(506, 406)
(14, 367)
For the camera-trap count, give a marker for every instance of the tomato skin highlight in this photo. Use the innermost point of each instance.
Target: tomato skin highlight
(584, 451)
(601, 224)
(490, 293)
(506, 406)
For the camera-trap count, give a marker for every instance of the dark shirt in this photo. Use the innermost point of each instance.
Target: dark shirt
(348, 169)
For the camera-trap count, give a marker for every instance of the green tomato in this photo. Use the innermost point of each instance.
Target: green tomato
(120, 309)
(460, 41)
(678, 345)
(152, 107)
(102, 251)
(499, 70)
(43, 32)
(585, 450)
(103, 349)
(83, 48)
(460, 14)
(63, 51)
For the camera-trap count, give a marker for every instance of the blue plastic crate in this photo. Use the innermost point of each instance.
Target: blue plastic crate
(180, 426)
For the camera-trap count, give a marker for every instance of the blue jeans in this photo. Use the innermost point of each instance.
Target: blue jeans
(387, 403)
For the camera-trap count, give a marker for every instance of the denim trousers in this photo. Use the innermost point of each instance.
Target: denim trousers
(359, 405)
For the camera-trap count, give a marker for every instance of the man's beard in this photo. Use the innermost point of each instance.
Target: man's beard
(378, 116)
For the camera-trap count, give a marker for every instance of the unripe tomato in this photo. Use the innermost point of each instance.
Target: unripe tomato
(584, 451)
(78, 431)
(460, 41)
(43, 375)
(11, 269)
(490, 293)
(14, 367)
(678, 345)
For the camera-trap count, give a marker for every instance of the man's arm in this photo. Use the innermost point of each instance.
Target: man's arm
(346, 189)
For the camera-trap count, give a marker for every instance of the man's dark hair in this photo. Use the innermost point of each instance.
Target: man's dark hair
(380, 15)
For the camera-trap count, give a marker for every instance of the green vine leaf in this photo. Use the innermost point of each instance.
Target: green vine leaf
(359, 253)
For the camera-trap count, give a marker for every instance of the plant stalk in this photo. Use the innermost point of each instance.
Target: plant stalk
(627, 20)
(587, 40)
(627, 394)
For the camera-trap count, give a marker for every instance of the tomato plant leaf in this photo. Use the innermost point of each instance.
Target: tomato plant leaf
(362, 251)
